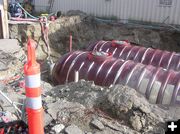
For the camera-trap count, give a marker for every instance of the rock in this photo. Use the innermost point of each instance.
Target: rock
(58, 128)
(132, 107)
(136, 123)
(5, 60)
(47, 119)
(49, 99)
(97, 124)
(115, 127)
(85, 93)
(9, 45)
(110, 131)
(61, 110)
(46, 87)
(73, 129)
(174, 111)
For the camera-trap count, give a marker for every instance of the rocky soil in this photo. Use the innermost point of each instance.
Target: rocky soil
(84, 108)
(88, 108)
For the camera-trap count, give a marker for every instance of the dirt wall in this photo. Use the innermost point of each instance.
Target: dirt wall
(85, 29)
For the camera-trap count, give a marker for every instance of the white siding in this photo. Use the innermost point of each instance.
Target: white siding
(141, 10)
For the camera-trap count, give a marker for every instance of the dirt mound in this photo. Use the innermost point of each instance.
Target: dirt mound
(117, 109)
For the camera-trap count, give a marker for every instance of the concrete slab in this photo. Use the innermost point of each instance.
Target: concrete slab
(9, 45)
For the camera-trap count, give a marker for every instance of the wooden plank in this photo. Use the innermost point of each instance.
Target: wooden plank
(1, 30)
(5, 19)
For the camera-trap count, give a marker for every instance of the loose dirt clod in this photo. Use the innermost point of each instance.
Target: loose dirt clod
(73, 129)
(97, 124)
(58, 128)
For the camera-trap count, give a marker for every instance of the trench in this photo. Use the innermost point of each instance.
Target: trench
(85, 29)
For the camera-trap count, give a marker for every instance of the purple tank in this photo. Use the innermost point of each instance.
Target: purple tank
(147, 56)
(156, 84)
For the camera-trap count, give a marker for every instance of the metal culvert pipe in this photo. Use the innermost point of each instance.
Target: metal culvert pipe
(147, 56)
(156, 84)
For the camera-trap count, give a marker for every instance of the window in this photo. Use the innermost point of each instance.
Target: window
(165, 2)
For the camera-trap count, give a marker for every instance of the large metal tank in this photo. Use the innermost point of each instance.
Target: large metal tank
(147, 56)
(158, 85)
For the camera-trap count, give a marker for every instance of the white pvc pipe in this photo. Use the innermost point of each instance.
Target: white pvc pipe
(76, 76)
(11, 102)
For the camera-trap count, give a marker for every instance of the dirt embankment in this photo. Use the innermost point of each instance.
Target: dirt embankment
(86, 29)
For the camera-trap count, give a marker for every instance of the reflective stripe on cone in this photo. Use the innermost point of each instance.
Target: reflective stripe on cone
(33, 81)
(34, 103)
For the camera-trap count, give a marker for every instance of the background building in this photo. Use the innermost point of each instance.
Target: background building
(159, 11)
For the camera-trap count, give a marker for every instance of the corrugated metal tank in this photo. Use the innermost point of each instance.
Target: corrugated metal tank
(161, 11)
(148, 56)
(158, 85)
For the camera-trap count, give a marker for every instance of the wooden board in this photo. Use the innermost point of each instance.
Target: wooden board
(1, 30)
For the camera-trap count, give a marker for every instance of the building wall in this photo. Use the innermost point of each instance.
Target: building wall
(142, 10)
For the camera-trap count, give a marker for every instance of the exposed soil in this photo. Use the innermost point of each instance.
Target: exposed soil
(86, 29)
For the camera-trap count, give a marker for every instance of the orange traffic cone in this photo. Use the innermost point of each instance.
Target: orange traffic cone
(33, 91)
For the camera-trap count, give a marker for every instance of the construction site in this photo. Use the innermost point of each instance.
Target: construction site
(68, 69)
